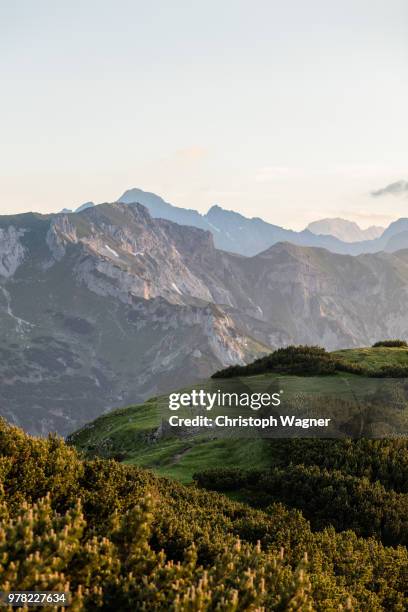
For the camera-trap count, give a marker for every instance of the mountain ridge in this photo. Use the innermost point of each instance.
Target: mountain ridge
(236, 233)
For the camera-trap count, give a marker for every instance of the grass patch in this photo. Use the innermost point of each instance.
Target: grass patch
(374, 358)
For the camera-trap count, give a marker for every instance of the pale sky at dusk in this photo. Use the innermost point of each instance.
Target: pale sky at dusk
(288, 110)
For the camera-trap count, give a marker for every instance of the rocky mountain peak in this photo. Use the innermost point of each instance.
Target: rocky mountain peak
(345, 230)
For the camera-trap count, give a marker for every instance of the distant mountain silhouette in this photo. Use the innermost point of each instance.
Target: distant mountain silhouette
(239, 234)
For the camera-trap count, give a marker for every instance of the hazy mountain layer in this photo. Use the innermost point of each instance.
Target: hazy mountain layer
(348, 231)
(238, 234)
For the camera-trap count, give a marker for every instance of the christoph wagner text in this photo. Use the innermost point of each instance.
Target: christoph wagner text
(263, 423)
(203, 399)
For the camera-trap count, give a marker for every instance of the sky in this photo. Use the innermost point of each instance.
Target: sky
(291, 111)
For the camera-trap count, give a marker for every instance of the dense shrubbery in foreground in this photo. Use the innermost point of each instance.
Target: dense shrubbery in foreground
(325, 497)
(122, 539)
(312, 361)
(122, 571)
(383, 460)
(348, 484)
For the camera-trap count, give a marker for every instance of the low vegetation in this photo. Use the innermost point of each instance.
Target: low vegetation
(391, 344)
(298, 360)
(326, 497)
(119, 537)
(316, 361)
(357, 484)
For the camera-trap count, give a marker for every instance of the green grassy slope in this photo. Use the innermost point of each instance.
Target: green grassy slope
(129, 434)
(375, 358)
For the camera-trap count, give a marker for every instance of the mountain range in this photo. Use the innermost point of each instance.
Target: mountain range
(248, 236)
(110, 305)
(238, 234)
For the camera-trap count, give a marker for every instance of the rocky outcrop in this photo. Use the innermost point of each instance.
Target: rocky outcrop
(61, 233)
(11, 250)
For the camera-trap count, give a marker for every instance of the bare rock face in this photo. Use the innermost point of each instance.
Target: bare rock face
(132, 255)
(108, 306)
(11, 250)
(61, 233)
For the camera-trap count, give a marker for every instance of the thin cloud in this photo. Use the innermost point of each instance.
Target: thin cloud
(399, 188)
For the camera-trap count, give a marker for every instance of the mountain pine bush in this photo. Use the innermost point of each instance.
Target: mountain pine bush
(391, 343)
(304, 360)
(120, 538)
(325, 497)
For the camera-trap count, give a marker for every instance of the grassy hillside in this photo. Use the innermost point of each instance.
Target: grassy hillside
(131, 434)
(128, 436)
